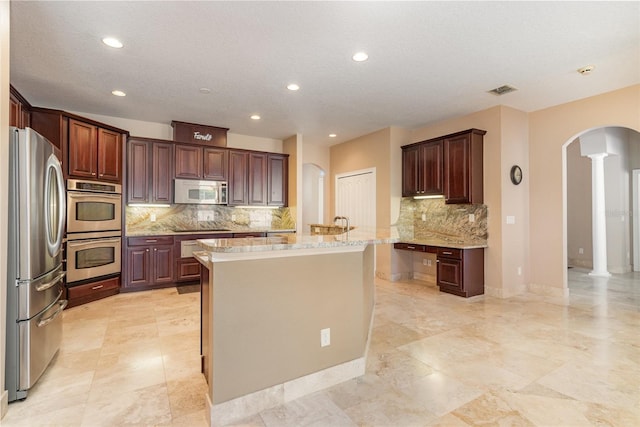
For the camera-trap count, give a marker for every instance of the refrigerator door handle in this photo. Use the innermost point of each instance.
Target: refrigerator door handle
(61, 306)
(45, 286)
(54, 241)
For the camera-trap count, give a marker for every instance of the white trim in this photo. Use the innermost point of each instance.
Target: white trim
(636, 219)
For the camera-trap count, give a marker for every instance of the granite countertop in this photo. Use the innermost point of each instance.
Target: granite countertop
(212, 232)
(445, 243)
(355, 237)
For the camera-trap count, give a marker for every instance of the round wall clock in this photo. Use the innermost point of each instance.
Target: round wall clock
(516, 174)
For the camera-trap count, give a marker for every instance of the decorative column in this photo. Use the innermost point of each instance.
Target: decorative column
(599, 220)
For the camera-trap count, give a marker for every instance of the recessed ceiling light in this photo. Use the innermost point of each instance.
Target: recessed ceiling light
(118, 93)
(255, 117)
(360, 56)
(293, 86)
(205, 90)
(332, 135)
(112, 42)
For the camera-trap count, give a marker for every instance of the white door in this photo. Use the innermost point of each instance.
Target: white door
(356, 197)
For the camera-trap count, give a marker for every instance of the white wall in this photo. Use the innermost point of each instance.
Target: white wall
(579, 232)
(4, 180)
(617, 200)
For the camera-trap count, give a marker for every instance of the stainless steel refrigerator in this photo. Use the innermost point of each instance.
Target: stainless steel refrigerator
(35, 272)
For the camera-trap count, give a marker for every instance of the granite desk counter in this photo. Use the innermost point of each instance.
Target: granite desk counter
(265, 304)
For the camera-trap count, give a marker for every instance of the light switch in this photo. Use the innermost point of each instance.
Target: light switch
(511, 219)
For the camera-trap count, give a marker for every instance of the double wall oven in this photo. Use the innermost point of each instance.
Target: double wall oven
(94, 228)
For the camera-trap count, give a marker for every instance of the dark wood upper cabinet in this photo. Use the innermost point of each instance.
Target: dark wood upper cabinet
(450, 166)
(83, 150)
(197, 162)
(463, 167)
(94, 153)
(150, 166)
(257, 179)
(188, 161)
(19, 109)
(277, 180)
(422, 169)
(109, 155)
(237, 188)
(138, 171)
(215, 164)
(161, 180)
(90, 149)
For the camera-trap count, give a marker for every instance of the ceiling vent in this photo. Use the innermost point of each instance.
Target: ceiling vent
(502, 90)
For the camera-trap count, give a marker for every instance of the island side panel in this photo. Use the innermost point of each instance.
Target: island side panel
(268, 313)
(368, 289)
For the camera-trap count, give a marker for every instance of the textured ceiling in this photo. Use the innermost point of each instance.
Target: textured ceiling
(428, 61)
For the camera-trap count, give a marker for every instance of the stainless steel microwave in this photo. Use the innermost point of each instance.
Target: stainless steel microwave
(189, 191)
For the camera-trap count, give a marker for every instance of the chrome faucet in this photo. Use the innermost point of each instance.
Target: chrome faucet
(344, 219)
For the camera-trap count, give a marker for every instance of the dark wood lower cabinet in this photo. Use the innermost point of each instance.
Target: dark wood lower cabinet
(149, 263)
(187, 270)
(82, 294)
(460, 271)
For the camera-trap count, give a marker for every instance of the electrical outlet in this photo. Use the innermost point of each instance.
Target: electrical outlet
(425, 261)
(581, 251)
(233, 218)
(519, 271)
(511, 219)
(428, 263)
(152, 217)
(472, 218)
(325, 337)
(424, 216)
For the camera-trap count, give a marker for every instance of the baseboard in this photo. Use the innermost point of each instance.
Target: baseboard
(548, 291)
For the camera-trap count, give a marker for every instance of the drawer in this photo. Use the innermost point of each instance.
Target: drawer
(449, 253)
(410, 247)
(93, 288)
(150, 240)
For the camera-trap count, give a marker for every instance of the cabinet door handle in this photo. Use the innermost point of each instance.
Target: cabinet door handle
(151, 241)
(147, 250)
(97, 287)
(411, 247)
(447, 253)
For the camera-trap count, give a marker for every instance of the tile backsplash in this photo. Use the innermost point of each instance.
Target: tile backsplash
(206, 217)
(425, 218)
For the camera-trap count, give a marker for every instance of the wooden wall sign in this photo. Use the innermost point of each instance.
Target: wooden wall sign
(192, 133)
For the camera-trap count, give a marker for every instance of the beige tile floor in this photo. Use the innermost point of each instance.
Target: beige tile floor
(435, 360)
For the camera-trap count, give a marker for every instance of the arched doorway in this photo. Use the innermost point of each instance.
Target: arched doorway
(622, 146)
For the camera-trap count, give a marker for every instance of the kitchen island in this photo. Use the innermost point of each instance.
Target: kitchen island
(266, 304)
